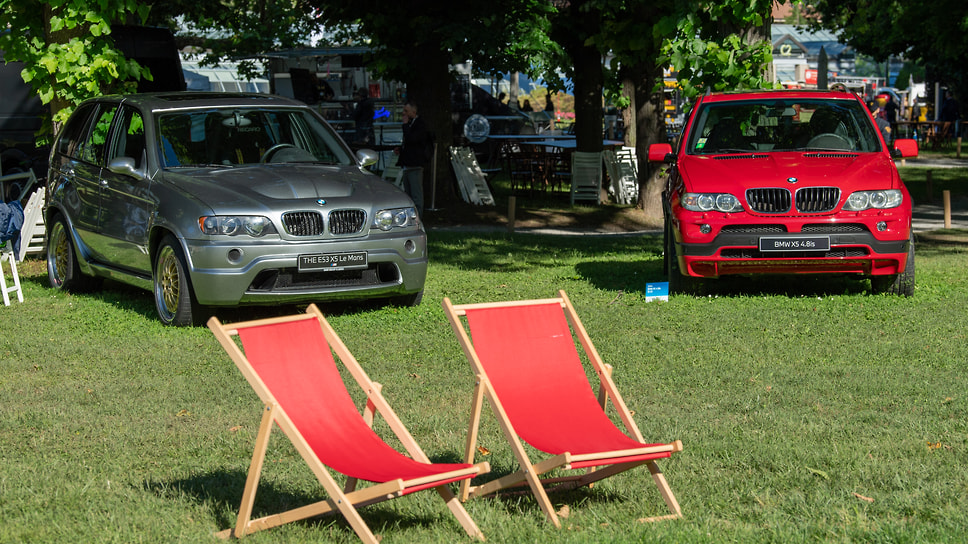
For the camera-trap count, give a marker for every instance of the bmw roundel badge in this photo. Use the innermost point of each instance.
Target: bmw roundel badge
(321, 201)
(792, 180)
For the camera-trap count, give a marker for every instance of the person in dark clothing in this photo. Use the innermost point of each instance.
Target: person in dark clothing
(414, 153)
(950, 116)
(363, 116)
(950, 110)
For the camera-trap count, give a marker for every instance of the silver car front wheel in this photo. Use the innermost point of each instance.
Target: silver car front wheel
(174, 298)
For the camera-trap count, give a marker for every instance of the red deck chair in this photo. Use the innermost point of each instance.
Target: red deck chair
(289, 363)
(528, 367)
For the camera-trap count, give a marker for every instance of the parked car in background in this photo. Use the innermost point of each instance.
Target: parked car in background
(223, 199)
(786, 182)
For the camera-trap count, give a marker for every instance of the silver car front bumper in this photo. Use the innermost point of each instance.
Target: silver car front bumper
(227, 273)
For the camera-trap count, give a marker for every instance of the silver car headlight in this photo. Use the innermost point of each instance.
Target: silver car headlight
(395, 218)
(708, 202)
(865, 200)
(236, 225)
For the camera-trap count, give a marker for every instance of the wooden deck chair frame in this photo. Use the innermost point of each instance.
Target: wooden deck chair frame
(346, 500)
(600, 464)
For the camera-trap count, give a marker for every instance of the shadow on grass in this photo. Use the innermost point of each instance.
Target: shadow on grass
(489, 251)
(793, 286)
(139, 301)
(938, 242)
(221, 492)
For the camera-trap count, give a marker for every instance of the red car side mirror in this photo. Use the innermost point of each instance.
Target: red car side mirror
(906, 147)
(659, 152)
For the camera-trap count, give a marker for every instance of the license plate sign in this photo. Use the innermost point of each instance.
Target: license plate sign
(332, 261)
(795, 243)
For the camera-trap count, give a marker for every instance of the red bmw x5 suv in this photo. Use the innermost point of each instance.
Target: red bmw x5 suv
(786, 182)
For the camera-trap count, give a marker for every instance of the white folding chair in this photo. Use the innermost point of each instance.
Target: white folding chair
(586, 176)
(7, 254)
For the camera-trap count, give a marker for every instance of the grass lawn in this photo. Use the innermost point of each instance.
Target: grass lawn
(809, 410)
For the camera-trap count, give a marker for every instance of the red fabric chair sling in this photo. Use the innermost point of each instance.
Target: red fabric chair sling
(528, 367)
(289, 362)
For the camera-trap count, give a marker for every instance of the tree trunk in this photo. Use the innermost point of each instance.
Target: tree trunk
(628, 114)
(589, 81)
(429, 87)
(650, 129)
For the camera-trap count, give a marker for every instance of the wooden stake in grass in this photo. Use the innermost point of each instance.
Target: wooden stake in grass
(512, 203)
(946, 196)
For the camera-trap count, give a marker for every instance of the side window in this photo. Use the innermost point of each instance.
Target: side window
(92, 148)
(130, 139)
(74, 131)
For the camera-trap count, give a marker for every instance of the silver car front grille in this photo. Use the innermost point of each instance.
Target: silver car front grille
(303, 223)
(341, 222)
(346, 221)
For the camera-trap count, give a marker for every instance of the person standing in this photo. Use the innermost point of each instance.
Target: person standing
(363, 117)
(414, 154)
(550, 111)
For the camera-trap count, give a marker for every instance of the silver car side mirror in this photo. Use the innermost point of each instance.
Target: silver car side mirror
(125, 167)
(366, 157)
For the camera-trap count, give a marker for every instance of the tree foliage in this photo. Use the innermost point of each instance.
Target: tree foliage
(497, 36)
(717, 45)
(241, 30)
(933, 33)
(66, 48)
(416, 42)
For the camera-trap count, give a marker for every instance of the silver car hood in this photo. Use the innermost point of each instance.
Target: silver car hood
(274, 185)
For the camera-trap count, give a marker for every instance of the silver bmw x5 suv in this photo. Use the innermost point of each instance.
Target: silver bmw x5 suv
(224, 199)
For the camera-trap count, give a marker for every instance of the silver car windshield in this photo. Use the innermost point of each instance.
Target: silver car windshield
(244, 136)
(782, 125)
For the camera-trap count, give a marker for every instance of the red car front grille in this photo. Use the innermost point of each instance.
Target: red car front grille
(768, 200)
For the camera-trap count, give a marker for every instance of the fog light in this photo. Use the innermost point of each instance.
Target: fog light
(705, 229)
(235, 255)
(881, 226)
(410, 247)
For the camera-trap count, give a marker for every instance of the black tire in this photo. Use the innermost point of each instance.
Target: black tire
(174, 298)
(63, 267)
(678, 283)
(897, 284)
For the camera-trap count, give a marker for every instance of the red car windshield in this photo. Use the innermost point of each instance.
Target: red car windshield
(782, 125)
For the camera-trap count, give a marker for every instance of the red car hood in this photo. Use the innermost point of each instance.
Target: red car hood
(736, 173)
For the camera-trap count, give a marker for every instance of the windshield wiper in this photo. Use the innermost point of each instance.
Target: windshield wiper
(203, 165)
(733, 150)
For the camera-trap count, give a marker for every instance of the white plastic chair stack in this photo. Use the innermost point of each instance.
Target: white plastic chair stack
(7, 254)
(586, 176)
(32, 233)
(623, 171)
(470, 178)
(392, 172)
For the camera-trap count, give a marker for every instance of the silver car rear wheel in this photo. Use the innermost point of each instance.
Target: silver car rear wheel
(63, 268)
